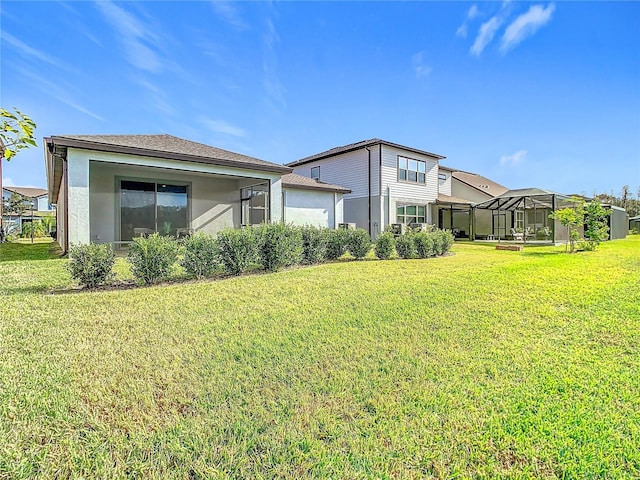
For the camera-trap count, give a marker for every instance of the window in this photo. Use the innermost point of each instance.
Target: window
(315, 173)
(410, 170)
(255, 204)
(411, 214)
(442, 176)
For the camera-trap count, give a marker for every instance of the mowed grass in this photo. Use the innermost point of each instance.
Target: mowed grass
(481, 364)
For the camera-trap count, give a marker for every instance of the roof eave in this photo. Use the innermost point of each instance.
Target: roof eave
(327, 154)
(325, 188)
(127, 150)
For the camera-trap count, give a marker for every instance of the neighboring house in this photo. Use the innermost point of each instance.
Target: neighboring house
(389, 183)
(110, 188)
(634, 223)
(36, 205)
(458, 192)
(618, 222)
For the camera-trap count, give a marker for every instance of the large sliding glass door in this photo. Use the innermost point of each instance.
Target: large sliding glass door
(147, 207)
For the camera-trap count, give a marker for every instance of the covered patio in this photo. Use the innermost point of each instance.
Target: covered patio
(521, 215)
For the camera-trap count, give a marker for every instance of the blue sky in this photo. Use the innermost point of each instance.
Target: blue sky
(526, 93)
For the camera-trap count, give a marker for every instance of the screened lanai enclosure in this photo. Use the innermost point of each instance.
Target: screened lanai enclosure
(521, 215)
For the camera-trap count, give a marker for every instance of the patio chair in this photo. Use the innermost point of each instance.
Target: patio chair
(142, 232)
(182, 233)
(529, 234)
(517, 236)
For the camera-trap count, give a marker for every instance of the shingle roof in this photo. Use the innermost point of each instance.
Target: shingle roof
(442, 198)
(356, 146)
(30, 192)
(291, 180)
(480, 183)
(165, 146)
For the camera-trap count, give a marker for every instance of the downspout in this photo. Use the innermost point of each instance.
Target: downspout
(381, 226)
(65, 175)
(369, 187)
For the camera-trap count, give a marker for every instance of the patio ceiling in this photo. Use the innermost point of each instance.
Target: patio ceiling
(524, 198)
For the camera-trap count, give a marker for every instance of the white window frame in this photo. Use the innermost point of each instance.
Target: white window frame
(411, 170)
(317, 169)
(402, 217)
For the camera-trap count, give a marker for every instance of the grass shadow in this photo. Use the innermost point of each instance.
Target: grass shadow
(14, 252)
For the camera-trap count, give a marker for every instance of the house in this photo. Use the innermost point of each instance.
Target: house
(35, 205)
(389, 183)
(634, 223)
(458, 192)
(111, 188)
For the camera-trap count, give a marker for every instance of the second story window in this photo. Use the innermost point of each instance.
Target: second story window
(410, 170)
(315, 173)
(442, 177)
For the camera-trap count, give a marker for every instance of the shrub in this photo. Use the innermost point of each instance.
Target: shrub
(424, 244)
(237, 249)
(358, 243)
(405, 246)
(152, 258)
(278, 245)
(442, 241)
(337, 241)
(385, 244)
(314, 245)
(200, 255)
(91, 265)
(34, 227)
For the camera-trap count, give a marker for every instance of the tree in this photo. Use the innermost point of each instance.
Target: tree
(18, 132)
(16, 204)
(571, 218)
(595, 221)
(624, 196)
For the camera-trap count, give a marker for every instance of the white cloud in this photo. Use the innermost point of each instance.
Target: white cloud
(271, 81)
(220, 126)
(138, 40)
(58, 91)
(471, 14)
(526, 25)
(419, 66)
(229, 13)
(7, 182)
(485, 34)
(26, 50)
(514, 160)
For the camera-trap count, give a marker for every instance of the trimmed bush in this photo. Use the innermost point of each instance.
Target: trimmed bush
(152, 258)
(91, 265)
(237, 249)
(314, 245)
(359, 243)
(442, 241)
(405, 246)
(200, 258)
(278, 245)
(424, 244)
(447, 241)
(337, 242)
(385, 244)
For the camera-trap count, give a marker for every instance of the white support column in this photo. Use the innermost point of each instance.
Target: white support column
(78, 207)
(275, 200)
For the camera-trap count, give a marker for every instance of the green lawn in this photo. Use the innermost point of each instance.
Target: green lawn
(481, 364)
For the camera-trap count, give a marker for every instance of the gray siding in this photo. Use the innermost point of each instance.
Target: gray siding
(348, 170)
(425, 193)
